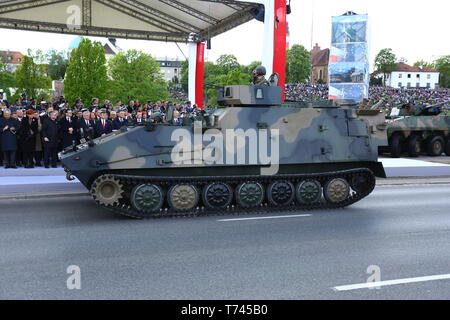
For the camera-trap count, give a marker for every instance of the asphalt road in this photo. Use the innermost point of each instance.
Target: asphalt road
(403, 230)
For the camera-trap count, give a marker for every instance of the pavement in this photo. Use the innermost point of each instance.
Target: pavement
(399, 236)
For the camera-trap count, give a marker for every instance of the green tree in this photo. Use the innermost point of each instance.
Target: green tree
(423, 64)
(298, 64)
(30, 78)
(227, 62)
(385, 63)
(86, 75)
(136, 75)
(6, 80)
(57, 64)
(443, 66)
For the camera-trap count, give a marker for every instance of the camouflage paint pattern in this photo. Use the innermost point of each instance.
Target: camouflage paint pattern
(307, 136)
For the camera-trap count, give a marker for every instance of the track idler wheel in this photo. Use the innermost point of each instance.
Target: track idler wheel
(281, 193)
(337, 190)
(147, 198)
(183, 197)
(309, 192)
(250, 194)
(107, 190)
(217, 195)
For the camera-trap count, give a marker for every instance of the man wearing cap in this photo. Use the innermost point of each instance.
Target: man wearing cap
(8, 131)
(27, 138)
(103, 126)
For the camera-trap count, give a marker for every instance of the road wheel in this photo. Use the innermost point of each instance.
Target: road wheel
(281, 193)
(435, 146)
(183, 197)
(217, 196)
(447, 147)
(250, 195)
(148, 198)
(336, 190)
(309, 192)
(107, 191)
(414, 147)
(396, 146)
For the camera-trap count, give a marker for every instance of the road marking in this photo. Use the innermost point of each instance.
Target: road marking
(391, 282)
(266, 218)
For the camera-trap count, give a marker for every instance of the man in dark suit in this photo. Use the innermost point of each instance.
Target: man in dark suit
(120, 121)
(86, 127)
(50, 134)
(8, 129)
(103, 126)
(68, 129)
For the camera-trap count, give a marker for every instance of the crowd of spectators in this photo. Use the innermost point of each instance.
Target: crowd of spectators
(32, 133)
(385, 97)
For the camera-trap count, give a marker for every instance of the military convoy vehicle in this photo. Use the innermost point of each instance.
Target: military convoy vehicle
(255, 154)
(414, 129)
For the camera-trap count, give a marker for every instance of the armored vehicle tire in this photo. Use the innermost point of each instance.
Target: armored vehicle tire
(147, 198)
(435, 146)
(396, 146)
(217, 195)
(447, 147)
(250, 194)
(183, 197)
(336, 190)
(309, 192)
(414, 146)
(281, 193)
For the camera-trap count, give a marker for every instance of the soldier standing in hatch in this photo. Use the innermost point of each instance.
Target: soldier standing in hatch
(259, 78)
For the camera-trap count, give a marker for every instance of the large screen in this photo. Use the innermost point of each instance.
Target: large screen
(349, 58)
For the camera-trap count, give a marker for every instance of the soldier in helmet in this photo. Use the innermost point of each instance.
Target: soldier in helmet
(259, 78)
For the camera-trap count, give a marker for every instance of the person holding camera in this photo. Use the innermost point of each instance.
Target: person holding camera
(8, 130)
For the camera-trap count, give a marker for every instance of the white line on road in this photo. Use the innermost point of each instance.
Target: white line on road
(391, 282)
(266, 218)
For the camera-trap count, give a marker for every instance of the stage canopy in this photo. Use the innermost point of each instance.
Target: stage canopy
(159, 20)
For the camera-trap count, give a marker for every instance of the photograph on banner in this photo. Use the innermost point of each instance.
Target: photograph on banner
(349, 91)
(347, 72)
(349, 52)
(349, 29)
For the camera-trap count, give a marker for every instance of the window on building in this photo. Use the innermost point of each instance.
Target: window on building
(418, 76)
(417, 85)
(428, 76)
(409, 75)
(399, 84)
(400, 76)
(428, 85)
(320, 74)
(408, 85)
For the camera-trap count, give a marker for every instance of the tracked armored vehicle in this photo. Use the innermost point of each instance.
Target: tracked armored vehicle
(417, 129)
(253, 155)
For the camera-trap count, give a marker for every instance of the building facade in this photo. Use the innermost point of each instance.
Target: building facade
(11, 59)
(171, 69)
(406, 76)
(319, 61)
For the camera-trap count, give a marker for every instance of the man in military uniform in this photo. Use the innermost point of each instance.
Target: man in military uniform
(259, 78)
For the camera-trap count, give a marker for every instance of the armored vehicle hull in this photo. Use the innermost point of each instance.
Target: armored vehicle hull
(237, 159)
(413, 135)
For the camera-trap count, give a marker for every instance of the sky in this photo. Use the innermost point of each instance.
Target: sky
(415, 30)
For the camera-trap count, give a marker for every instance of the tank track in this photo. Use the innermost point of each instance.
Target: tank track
(124, 207)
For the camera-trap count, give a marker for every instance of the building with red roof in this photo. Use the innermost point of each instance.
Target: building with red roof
(319, 61)
(11, 59)
(406, 76)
